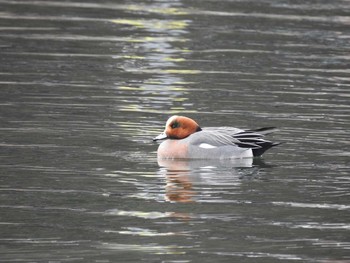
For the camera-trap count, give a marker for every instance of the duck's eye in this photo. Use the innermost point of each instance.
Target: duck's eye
(175, 125)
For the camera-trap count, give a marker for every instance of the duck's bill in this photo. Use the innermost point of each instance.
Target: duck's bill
(161, 136)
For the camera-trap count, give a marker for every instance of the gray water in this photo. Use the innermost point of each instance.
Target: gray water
(85, 86)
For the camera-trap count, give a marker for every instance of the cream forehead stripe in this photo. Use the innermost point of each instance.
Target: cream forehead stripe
(170, 120)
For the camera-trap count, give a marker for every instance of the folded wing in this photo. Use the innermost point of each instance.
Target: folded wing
(223, 136)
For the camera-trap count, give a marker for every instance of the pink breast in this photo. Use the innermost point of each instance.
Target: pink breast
(172, 149)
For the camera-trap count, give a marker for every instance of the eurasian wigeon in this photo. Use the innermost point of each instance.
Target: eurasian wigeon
(185, 139)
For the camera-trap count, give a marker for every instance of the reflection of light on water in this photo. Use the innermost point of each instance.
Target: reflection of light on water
(153, 24)
(313, 225)
(154, 54)
(149, 248)
(139, 214)
(145, 232)
(261, 255)
(308, 205)
(148, 215)
(164, 10)
(155, 94)
(182, 71)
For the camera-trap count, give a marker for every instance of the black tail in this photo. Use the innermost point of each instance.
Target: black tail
(264, 146)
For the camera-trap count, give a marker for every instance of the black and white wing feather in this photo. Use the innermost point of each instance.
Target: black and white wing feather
(252, 139)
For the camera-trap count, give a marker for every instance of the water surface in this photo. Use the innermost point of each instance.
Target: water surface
(85, 86)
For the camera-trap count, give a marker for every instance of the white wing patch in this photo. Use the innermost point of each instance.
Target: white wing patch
(207, 146)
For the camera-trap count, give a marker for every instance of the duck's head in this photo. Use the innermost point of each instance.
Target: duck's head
(178, 127)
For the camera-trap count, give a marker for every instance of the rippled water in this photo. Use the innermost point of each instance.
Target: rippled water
(84, 86)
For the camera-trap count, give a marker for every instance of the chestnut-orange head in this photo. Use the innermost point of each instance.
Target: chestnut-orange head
(178, 127)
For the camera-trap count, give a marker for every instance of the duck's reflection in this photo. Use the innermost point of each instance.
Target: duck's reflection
(184, 176)
(179, 186)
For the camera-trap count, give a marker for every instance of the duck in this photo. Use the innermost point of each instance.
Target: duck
(183, 138)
